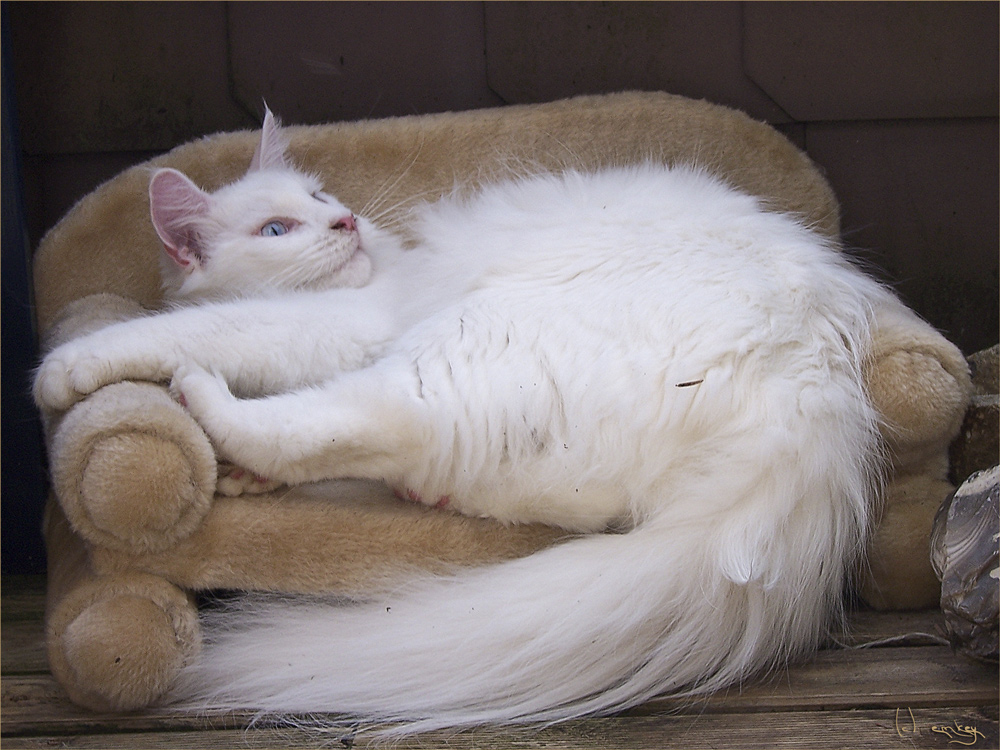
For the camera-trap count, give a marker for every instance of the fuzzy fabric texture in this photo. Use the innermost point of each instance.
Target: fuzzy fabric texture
(134, 525)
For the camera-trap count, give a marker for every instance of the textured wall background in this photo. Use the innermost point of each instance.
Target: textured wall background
(898, 101)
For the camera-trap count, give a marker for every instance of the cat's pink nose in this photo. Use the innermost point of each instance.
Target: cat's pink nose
(346, 224)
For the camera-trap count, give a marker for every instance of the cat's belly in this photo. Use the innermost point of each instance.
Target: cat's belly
(538, 414)
(580, 508)
(574, 507)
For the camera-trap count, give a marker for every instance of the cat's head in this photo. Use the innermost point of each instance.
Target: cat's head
(272, 230)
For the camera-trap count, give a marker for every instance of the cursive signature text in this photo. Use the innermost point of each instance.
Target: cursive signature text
(959, 734)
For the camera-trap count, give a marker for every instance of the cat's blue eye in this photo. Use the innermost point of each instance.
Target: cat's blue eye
(273, 229)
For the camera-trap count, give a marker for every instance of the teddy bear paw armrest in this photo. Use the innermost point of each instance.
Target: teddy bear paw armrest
(115, 642)
(131, 469)
(920, 384)
(118, 644)
(129, 466)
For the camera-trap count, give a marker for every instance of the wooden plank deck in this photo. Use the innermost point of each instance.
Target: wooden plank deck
(907, 691)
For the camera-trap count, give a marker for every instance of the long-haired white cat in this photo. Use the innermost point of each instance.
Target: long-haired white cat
(642, 353)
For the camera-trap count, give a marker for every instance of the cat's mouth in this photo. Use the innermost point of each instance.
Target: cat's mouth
(353, 252)
(354, 270)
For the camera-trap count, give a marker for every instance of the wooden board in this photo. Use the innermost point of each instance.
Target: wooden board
(890, 685)
(839, 729)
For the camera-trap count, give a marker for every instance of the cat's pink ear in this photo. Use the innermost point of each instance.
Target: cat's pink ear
(178, 208)
(271, 150)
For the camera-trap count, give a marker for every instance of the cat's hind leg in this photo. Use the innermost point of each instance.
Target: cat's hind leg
(367, 424)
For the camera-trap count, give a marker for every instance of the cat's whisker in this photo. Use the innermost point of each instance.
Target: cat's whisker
(386, 188)
(396, 209)
(375, 202)
(387, 209)
(399, 209)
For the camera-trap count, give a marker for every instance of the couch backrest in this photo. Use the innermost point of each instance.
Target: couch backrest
(106, 242)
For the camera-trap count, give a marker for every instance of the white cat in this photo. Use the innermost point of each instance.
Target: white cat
(641, 350)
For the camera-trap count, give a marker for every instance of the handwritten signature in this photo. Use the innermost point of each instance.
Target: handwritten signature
(958, 734)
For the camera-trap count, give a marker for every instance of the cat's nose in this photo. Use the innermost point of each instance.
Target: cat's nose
(346, 224)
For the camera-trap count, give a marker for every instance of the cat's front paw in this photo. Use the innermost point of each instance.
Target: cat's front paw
(66, 376)
(209, 401)
(202, 393)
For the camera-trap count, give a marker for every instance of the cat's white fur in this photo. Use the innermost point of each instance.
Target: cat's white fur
(643, 350)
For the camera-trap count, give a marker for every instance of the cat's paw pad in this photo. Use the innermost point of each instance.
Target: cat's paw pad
(234, 481)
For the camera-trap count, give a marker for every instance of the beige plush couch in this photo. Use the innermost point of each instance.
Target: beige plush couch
(134, 526)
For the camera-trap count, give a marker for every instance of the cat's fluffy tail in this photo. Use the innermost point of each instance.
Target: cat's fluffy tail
(678, 605)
